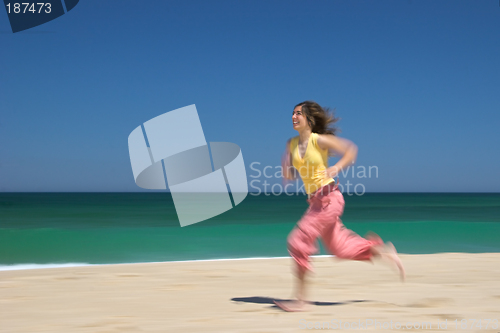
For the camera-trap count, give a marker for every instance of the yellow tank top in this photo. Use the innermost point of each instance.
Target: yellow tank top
(314, 161)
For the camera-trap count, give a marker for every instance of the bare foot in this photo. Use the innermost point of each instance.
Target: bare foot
(291, 306)
(388, 253)
(394, 256)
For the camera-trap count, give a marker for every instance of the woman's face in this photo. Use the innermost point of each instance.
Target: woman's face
(299, 119)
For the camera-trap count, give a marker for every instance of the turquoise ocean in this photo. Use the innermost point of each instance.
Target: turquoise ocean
(108, 228)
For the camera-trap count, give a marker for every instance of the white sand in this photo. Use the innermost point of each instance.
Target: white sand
(236, 296)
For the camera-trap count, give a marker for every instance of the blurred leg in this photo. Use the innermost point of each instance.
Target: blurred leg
(346, 244)
(302, 243)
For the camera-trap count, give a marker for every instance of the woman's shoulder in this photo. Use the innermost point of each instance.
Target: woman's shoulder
(319, 140)
(293, 141)
(318, 136)
(315, 137)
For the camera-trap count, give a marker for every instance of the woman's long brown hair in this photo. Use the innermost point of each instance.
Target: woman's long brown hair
(321, 120)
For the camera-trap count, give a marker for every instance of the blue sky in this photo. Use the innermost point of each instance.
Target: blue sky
(416, 83)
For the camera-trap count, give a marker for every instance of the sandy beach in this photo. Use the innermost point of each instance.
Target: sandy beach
(443, 292)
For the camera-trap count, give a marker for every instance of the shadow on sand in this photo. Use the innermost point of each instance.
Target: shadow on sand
(269, 300)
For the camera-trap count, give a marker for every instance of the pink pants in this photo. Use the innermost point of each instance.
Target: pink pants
(322, 219)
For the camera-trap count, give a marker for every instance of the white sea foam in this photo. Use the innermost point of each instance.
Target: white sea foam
(17, 267)
(42, 266)
(256, 258)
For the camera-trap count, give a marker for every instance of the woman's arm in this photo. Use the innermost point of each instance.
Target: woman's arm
(286, 164)
(347, 149)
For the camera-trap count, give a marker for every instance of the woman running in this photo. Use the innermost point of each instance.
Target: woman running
(307, 154)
